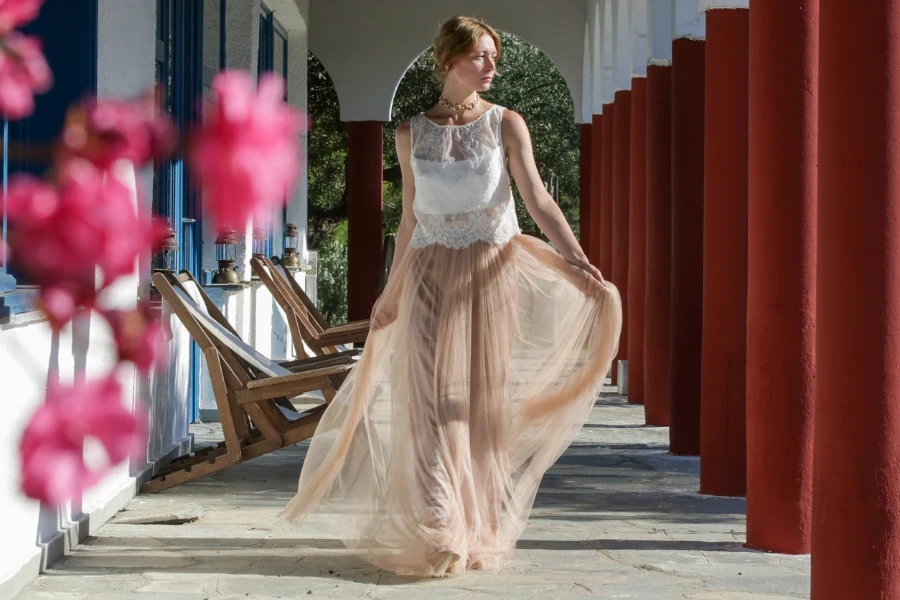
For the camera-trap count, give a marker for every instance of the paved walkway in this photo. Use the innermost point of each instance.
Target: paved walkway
(616, 517)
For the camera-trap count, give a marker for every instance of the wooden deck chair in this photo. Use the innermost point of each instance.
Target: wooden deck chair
(189, 283)
(245, 385)
(309, 329)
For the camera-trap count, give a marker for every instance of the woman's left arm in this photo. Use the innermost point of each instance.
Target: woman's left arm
(541, 206)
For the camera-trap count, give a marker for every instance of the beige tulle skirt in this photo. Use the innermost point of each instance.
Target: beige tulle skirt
(435, 445)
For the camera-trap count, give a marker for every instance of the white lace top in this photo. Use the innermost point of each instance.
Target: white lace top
(463, 193)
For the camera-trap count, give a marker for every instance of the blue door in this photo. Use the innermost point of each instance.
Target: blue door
(180, 75)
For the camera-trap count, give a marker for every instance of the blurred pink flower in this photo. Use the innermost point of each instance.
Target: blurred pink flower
(60, 301)
(52, 448)
(246, 155)
(24, 72)
(104, 131)
(15, 13)
(140, 336)
(61, 236)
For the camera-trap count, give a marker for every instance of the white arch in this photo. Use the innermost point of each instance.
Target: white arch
(367, 46)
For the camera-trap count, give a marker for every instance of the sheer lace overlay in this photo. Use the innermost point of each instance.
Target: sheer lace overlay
(463, 194)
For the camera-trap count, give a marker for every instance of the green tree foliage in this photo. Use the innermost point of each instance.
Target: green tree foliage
(529, 83)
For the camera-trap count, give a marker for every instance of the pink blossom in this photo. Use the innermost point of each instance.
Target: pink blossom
(52, 448)
(61, 236)
(60, 301)
(139, 335)
(15, 13)
(104, 131)
(24, 72)
(246, 155)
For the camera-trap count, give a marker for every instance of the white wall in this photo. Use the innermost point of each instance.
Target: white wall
(367, 46)
(242, 52)
(30, 353)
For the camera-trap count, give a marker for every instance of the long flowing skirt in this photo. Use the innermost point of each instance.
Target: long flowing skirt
(439, 438)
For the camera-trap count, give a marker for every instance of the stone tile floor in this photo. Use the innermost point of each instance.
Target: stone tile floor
(616, 517)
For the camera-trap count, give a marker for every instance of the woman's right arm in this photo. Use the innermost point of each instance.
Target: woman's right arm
(408, 220)
(382, 316)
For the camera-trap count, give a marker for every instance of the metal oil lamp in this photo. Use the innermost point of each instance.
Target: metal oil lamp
(290, 258)
(226, 254)
(166, 254)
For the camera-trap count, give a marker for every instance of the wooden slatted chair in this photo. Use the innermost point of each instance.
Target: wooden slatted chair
(251, 391)
(309, 329)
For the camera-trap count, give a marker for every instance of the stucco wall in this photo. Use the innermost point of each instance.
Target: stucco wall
(30, 354)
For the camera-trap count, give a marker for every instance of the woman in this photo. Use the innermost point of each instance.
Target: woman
(487, 351)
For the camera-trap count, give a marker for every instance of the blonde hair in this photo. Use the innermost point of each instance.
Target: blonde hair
(457, 37)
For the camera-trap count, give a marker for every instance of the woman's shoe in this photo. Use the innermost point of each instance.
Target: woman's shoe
(442, 560)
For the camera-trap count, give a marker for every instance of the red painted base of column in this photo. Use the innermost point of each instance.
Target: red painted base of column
(688, 69)
(584, 181)
(637, 242)
(658, 297)
(723, 432)
(605, 240)
(364, 212)
(781, 300)
(856, 482)
(606, 191)
(621, 208)
(596, 189)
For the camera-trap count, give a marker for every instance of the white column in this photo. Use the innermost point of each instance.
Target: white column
(587, 78)
(598, 20)
(623, 52)
(640, 39)
(610, 11)
(688, 21)
(659, 28)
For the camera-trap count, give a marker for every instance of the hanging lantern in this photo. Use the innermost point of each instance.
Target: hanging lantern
(260, 241)
(165, 258)
(226, 254)
(290, 258)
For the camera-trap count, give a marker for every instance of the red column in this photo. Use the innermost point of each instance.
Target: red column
(596, 189)
(856, 481)
(606, 191)
(781, 299)
(364, 206)
(723, 439)
(658, 297)
(621, 197)
(584, 180)
(637, 243)
(688, 68)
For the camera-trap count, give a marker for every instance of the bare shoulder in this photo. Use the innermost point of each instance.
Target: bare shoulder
(402, 138)
(511, 117)
(513, 126)
(403, 130)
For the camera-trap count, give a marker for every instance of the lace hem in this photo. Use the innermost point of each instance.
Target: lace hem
(495, 225)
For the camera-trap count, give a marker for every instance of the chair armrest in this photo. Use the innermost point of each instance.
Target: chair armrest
(355, 326)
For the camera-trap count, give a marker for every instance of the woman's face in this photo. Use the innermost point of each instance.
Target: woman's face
(476, 70)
